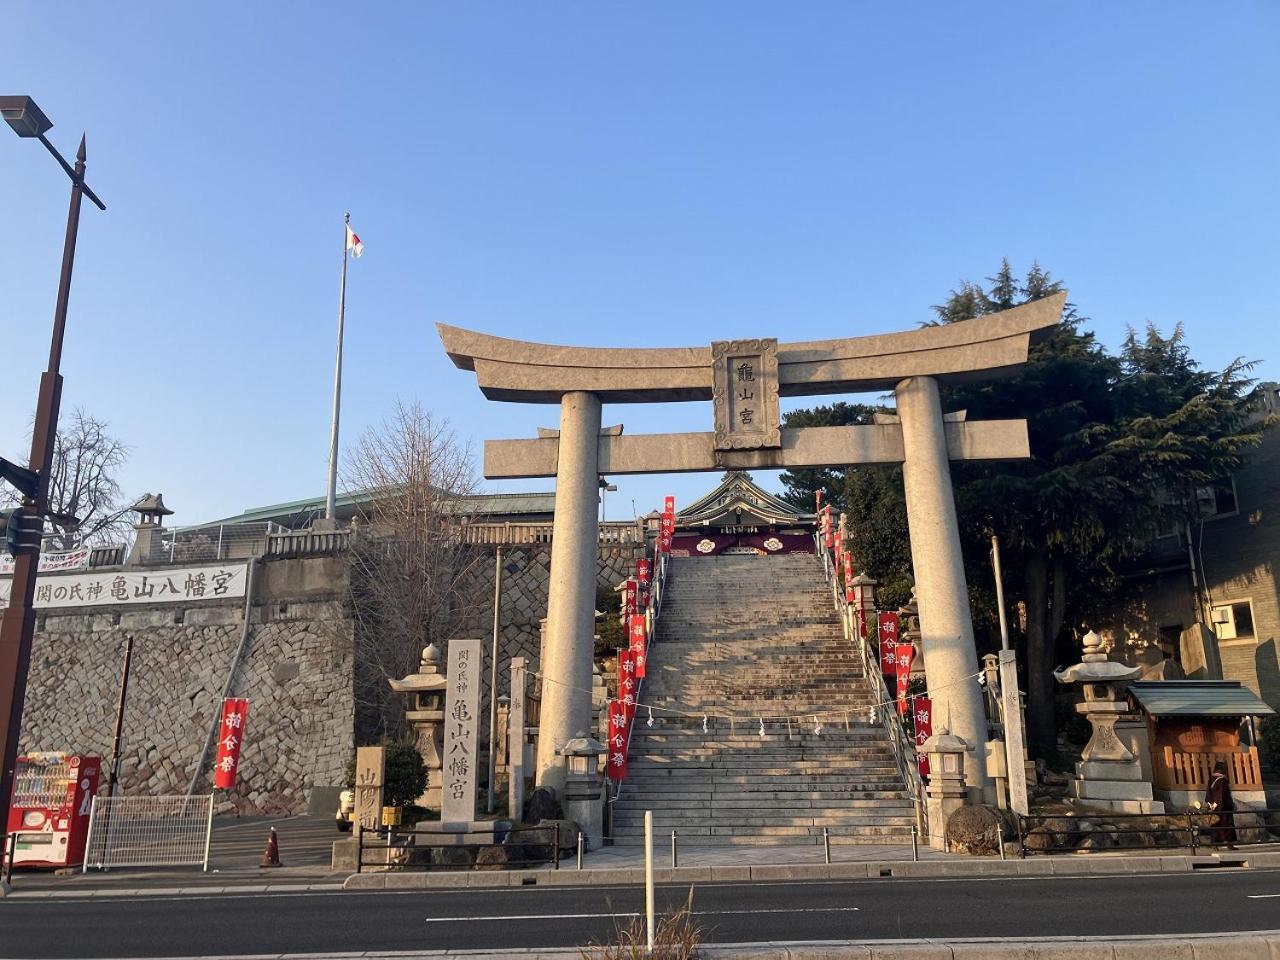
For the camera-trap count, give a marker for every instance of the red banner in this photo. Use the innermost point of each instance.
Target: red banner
(617, 765)
(903, 654)
(923, 717)
(888, 664)
(667, 528)
(629, 599)
(639, 648)
(643, 571)
(628, 686)
(230, 740)
(848, 577)
(828, 527)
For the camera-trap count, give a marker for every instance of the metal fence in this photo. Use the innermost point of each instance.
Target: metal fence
(1192, 831)
(413, 848)
(149, 832)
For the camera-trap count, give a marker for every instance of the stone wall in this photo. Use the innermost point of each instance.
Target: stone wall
(296, 673)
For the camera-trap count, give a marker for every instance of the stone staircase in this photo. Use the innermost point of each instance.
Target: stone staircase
(757, 637)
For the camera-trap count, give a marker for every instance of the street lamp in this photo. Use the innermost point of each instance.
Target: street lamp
(605, 488)
(18, 625)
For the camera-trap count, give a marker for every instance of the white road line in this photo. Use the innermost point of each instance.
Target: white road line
(1263, 896)
(633, 913)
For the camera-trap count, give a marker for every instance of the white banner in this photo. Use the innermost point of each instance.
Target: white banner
(65, 560)
(120, 587)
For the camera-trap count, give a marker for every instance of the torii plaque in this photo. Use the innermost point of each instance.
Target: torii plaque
(746, 435)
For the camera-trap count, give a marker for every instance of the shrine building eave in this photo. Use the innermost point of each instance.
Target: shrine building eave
(994, 345)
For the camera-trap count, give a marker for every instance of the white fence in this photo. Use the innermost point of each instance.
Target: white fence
(149, 832)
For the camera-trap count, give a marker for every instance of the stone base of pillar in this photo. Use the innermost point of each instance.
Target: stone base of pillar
(940, 804)
(588, 813)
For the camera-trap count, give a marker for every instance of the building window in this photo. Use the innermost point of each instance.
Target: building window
(1217, 499)
(1233, 621)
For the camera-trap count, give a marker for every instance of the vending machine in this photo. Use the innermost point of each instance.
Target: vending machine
(52, 796)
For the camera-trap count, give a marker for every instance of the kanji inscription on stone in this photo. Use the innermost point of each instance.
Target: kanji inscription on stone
(461, 729)
(744, 394)
(370, 764)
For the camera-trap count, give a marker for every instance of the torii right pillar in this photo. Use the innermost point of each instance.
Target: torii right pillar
(946, 629)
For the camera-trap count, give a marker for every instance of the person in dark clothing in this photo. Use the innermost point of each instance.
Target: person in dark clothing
(1217, 800)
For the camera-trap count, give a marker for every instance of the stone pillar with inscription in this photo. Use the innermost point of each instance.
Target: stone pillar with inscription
(946, 629)
(571, 596)
(516, 737)
(461, 732)
(370, 776)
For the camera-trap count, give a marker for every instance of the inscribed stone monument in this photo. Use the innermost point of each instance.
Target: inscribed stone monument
(461, 729)
(370, 767)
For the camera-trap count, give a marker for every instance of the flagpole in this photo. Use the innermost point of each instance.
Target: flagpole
(330, 511)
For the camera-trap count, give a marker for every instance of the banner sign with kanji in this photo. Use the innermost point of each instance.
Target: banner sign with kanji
(617, 765)
(230, 740)
(644, 573)
(637, 644)
(848, 577)
(827, 527)
(122, 587)
(668, 524)
(923, 716)
(628, 686)
(903, 653)
(629, 599)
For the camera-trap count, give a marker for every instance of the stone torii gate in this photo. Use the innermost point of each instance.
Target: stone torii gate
(744, 379)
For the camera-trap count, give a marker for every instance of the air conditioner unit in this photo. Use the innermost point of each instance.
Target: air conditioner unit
(1221, 614)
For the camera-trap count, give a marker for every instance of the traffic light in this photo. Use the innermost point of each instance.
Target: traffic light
(19, 529)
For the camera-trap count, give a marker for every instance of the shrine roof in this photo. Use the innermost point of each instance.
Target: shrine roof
(1198, 698)
(738, 490)
(472, 505)
(989, 346)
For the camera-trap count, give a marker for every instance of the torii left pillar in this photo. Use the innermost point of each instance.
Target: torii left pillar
(571, 600)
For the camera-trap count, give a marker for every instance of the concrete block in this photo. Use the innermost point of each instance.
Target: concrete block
(790, 871)
(847, 871)
(1155, 948)
(914, 950)
(1031, 950)
(365, 881)
(1174, 864)
(722, 874)
(405, 881)
(1238, 947)
(683, 875)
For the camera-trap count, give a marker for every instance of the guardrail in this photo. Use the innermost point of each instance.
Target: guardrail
(410, 848)
(904, 748)
(517, 534)
(1070, 834)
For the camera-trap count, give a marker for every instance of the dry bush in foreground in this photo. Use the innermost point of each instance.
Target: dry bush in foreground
(675, 937)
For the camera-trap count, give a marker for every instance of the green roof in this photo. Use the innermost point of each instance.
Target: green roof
(473, 505)
(1197, 698)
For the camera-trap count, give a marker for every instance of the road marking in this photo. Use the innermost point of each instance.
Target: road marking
(635, 913)
(1263, 896)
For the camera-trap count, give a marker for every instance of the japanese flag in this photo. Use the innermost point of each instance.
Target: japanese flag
(353, 243)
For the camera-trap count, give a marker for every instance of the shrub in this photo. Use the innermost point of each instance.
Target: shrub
(675, 937)
(1269, 741)
(405, 777)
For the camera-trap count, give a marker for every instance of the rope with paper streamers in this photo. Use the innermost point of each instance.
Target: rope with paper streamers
(704, 715)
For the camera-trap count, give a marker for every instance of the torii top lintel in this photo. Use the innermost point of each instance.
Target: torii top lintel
(991, 346)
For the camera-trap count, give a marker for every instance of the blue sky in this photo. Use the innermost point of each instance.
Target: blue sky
(655, 174)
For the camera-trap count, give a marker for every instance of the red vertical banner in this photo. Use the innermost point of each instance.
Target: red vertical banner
(828, 527)
(887, 635)
(628, 686)
(817, 500)
(230, 740)
(848, 577)
(839, 549)
(667, 529)
(629, 600)
(639, 651)
(923, 717)
(644, 576)
(617, 765)
(903, 654)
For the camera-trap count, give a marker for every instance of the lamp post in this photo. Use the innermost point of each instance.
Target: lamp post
(18, 625)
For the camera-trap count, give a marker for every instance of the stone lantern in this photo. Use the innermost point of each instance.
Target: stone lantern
(583, 787)
(946, 792)
(151, 512)
(426, 690)
(1108, 775)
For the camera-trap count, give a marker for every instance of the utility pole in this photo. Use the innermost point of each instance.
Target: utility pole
(18, 626)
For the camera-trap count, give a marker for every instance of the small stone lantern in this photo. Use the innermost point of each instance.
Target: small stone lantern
(1108, 775)
(584, 788)
(946, 792)
(151, 512)
(426, 690)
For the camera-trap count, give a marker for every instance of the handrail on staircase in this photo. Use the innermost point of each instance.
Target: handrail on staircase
(904, 750)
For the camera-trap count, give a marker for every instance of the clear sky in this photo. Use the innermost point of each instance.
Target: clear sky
(655, 174)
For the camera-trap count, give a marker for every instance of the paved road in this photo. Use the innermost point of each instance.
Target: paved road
(1223, 900)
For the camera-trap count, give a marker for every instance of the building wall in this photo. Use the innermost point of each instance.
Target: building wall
(296, 674)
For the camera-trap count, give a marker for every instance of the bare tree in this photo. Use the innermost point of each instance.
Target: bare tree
(84, 494)
(410, 563)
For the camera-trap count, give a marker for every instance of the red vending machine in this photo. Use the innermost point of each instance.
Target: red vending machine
(52, 796)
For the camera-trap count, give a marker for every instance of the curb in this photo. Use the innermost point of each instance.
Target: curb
(867, 870)
(110, 893)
